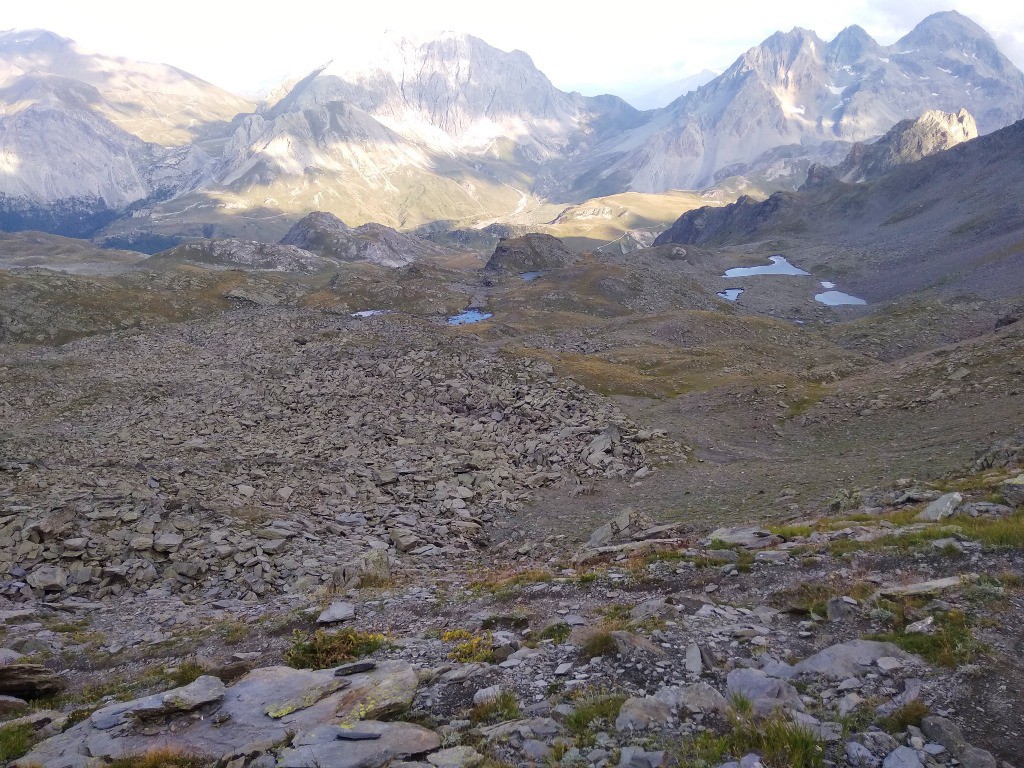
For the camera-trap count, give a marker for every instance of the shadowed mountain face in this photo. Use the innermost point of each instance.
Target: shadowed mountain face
(953, 220)
(448, 133)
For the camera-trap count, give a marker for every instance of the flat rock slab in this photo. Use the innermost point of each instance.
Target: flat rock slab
(241, 725)
(326, 745)
(747, 537)
(851, 659)
(766, 694)
(339, 611)
(456, 757)
(943, 507)
(927, 587)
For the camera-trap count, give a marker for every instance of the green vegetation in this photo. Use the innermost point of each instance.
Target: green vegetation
(469, 646)
(603, 708)
(911, 713)
(165, 757)
(322, 649)
(780, 743)
(813, 597)
(503, 707)
(558, 632)
(185, 673)
(601, 643)
(15, 741)
(950, 644)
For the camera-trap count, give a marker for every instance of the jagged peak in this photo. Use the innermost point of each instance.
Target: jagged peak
(33, 37)
(850, 45)
(942, 28)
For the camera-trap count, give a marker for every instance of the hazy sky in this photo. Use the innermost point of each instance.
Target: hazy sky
(625, 48)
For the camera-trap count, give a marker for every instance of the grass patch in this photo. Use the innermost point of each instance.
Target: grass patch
(322, 649)
(601, 643)
(911, 713)
(503, 581)
(792, 531)
(993, 532)
(15, 741)
(469, 646)
(950, 644)
(780, 743)
(813, 597)
(185, 673)
(601, 708)
(497, 710)
(233, 631)
(166, 757)
(558, 632)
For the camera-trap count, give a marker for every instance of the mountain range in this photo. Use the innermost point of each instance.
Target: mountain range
(448, 132)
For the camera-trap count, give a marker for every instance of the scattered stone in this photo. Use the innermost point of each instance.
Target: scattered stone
(641, 714)
(337, 612)
(943, 507)
(456, 757)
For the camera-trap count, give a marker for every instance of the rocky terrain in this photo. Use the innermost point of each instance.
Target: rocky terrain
(363, 498)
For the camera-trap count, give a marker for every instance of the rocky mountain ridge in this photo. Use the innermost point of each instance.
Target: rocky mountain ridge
(452, 132)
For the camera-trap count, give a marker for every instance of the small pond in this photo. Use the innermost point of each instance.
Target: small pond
(471, 315)
(778, 266)
(530, 276)
(371, 312)
(837, 299)
(730, 294)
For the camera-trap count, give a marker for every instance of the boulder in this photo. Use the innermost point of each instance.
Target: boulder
(335, 612)
(1013, 490)
(29, 681)
(943, 507)
(353, 746)
(49, 578)
(764, 693)
(455, 757)
(851, 659)
(638, 714)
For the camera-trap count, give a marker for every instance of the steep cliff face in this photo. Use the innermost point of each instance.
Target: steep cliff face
(906, 142)
(155, 102)
(796, 89)
(70, 171)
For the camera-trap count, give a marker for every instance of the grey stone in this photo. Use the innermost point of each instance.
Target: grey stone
(860, 756)
(764, 693)
(902, 757)
(745, 536)
(335, 612)
(49, 578)
(841, 609)
(638, 714)
(699, 698)
(29, 681)
(12, 705)
(321, 746)
(944, 731)
(485, 695)
(694, 662)
(943, 507)
(634, 757)
(386, 690)
(850, 659)
(457, 757)
(535, 750)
